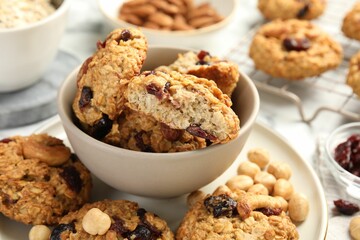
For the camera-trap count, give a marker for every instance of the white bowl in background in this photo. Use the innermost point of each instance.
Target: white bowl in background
(158, 174)
(197, 38)
(27, 51)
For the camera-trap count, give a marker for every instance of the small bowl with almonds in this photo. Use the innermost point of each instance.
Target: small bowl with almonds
(187, 23)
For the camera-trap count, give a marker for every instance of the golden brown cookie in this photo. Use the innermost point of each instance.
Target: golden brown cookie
(222, 216)
(353, 77)
(224, 73)
(40, 179)
(351, 23)
(294, 49)
(99, 98)
(184, 102)
(142, 132)
(288, 9)
(112, 220)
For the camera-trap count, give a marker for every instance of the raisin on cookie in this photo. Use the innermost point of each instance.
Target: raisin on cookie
(224, 73)
(294, 49)
(289, 9)
(40, 179)
(100, 82)
(350, 26)
(221, 216)
(353, 77)
(124, 220)
(184, 102)
(141, 132)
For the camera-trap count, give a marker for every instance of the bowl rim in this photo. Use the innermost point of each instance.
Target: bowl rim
(193, 32)
(107, 147)
(329, 151)
(65, 5)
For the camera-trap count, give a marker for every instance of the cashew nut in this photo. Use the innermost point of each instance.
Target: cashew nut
(247, 203)
(222, 189)
(47, 149)
(284, 203)
(194, 197)
(259, 156)
(248, 168)
(96, 222)
(258, 189)
(298, 207)
(240, 182)
(265, 179)
(283, 188)
(354, 228)
(39, 232)
(279, 170)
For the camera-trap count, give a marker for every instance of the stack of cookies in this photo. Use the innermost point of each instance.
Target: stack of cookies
(181, 107)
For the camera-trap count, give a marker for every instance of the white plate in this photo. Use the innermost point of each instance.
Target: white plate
(304, 179)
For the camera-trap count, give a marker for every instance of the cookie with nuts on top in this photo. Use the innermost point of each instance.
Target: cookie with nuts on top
(40, 179)
(100, 82)
(289, 9)
(224, 73)
(351, 23)
(294, 49)
(353, 77)
(229, 214)
(184, 102)
(111, 220)
(141, 132)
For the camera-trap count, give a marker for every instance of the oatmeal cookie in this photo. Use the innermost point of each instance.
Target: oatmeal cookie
(353, 77)
(40, 179)
(351, 23)
(100, 85)
(289, 9)
(184, 102)
(217, 216)
(294, 49)
(142, 132)
(224, 73)
(126, 220)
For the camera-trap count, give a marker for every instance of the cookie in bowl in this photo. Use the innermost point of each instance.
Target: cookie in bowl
(202, 64)
(40, 179)
(184, 102)
(288, 9)
(294, 49)
(102, 77)
(112, 219)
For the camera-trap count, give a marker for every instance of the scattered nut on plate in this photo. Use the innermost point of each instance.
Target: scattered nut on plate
(172, 15)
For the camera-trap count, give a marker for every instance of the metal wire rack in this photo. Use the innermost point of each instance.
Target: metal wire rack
(311, 96)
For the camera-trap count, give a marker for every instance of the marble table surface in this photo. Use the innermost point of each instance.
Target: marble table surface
(86, 26)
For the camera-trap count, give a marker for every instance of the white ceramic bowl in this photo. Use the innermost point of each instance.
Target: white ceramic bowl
(349, 181)
(199, 38)
(27, 51)
(158, 174)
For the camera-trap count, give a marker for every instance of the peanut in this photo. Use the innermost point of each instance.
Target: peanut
(354, 228)
(259, 156)
(298, 207)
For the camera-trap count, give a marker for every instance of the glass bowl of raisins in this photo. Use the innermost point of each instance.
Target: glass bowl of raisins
(342, 149)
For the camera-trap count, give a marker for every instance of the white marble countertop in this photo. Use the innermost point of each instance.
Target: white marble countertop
(86, 26)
